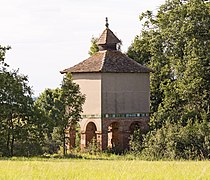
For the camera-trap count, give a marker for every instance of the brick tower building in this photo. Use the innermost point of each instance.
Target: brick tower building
(117, 91)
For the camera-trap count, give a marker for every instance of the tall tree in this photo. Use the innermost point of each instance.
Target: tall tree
(17, 130)
(49, 111)
(62, 107)
(175, 44)
(73, 100)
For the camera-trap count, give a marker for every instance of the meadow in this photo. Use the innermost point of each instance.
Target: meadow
(102, 169)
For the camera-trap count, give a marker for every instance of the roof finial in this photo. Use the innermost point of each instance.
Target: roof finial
(107, 24)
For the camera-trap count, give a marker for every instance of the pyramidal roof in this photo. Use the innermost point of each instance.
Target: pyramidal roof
(108, 37)
(108, 62)
(108, 59)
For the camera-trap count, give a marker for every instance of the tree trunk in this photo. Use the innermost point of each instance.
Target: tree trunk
(64, 143)
(8, 139)
(13, 139)
(72, 137)
(9, 133)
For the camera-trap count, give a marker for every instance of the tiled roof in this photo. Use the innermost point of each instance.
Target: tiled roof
(108, 61)
(108, 37)
(92, 64)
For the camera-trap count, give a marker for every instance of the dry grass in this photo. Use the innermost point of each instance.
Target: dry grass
(103, 169)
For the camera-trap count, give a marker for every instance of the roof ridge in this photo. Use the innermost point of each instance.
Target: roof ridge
(106, 31)
(109, 61)
(103, 60)
(107, 37)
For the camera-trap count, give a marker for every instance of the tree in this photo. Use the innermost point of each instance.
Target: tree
(174, 141)
(139, 49)
(94, 47)
(17, 126)
(50, 110)
(24, 125)
(175, 44)
(62, 108)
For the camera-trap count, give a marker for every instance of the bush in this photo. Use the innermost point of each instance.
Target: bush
(135, 141)
(93, 147)
(174, 141)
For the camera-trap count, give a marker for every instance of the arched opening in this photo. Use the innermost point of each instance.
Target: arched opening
(135, 126)
(90, 133)
(135, 134)
(113, 135)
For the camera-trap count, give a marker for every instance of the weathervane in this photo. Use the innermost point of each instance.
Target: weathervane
(107, 24)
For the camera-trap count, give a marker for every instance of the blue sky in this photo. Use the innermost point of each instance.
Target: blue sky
(47, 36)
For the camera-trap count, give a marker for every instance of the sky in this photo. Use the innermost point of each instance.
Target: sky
(47, 36)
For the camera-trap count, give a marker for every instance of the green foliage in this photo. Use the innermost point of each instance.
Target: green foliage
(175, 44)
(94, 47)
(18, 129)
(139, 50)
(72, 100)
(174, 141)
(135, 141)
(93, 147)
(78, 138)
(188, 95)
(61, 108)
(51, 109)
(28, 128)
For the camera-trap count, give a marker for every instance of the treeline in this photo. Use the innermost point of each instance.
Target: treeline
(175, 43)
(29, 127)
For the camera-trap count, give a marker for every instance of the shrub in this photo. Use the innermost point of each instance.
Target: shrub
(174, 141)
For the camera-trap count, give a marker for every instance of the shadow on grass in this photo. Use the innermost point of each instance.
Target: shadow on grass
(49, 157)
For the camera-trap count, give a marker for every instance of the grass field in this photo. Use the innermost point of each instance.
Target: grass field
(103, 169)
